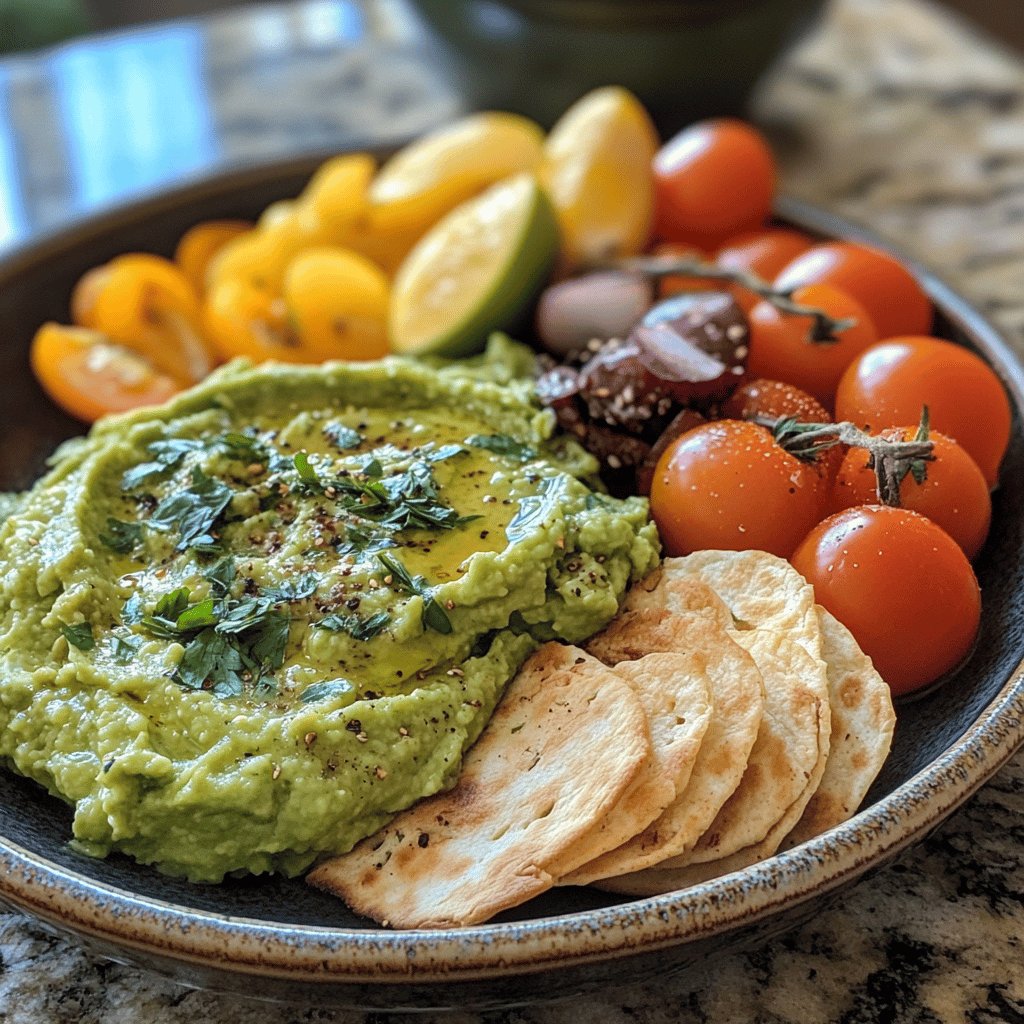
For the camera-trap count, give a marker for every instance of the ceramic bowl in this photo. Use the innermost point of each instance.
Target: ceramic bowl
(277, 939)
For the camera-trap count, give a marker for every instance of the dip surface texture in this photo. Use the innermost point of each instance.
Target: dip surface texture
(243, 629)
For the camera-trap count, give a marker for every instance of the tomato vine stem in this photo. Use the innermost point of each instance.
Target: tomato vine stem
(823, 330)
(891, 458)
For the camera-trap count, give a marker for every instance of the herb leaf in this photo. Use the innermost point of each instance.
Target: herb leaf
(324, 690)
(446, 451)
(503, 444)
(357, 627)
(167, 454)
(194, 511)
(79, 636)
(342, 437)
(434, 616)
(298, 589)
(221, 575)
(125, 647)
(212, 657)
(307, 474)
(121, 536)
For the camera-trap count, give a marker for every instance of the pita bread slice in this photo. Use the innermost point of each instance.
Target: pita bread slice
(737, 696)
(791, 748)
(676, 591)
(862, 726)
(675, 692)
(759, 589)
(562, 747)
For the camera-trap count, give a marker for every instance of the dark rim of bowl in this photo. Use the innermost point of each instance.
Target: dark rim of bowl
(317, 954)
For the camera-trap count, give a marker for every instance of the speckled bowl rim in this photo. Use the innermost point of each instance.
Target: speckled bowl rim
(308, 954)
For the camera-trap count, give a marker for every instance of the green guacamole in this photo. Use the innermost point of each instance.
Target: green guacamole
(241, 630)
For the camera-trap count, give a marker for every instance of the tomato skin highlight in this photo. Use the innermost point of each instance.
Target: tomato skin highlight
(887, 385)
(888, 291)
(954, 494)
(728, 485)
(780, 349)
(900, 584)
(712, 180)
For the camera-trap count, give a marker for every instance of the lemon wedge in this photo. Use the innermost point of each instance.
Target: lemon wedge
(437, 172)
(474, 271)
(597, 171)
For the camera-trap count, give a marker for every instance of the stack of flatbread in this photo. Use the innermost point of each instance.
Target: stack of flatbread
(721, 717)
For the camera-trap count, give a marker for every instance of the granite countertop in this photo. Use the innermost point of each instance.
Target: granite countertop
(891, 113)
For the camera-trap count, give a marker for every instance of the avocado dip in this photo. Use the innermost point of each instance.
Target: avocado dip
(240, 630)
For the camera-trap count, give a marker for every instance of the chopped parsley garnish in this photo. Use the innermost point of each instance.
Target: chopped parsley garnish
(370, 466)
(355, 625)
(326, 689)
(221, 575)
(193, 511)
(307, 474)
(342, 437)
(167, 455)
(446, 451)
(125, 647)
(503, 444)
(121, 536)
(79, 636)
(227, 643)
(434, 616)
(298, 589)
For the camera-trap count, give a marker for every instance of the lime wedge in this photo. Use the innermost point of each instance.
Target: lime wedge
(475, 271)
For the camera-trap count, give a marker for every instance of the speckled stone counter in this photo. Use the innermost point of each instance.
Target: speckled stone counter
(894, 115)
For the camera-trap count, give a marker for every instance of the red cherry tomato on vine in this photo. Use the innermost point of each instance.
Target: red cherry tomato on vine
(763, 253)
(902, 587)
(780, 347)
(889, 383)
(728, 485)
(953, 493)
(888, 291)
(776, 400)
(714, 179)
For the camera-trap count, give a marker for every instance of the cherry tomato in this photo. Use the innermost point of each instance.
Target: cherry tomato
(953, 494)
(84, 294)
(728, 485)
(888, 291)
(763, 253)
(89, 377)
(677, 283)
(145, 303)
(780, 348)
(200, 244)
(775, 400)
(338, 304)
(243, 320)
(889, 383)
(714, 179)
(900, 584)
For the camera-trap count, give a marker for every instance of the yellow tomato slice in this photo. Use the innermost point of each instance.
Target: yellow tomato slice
(89, 376)
(337, 196)
(198, 247)
(145, 303)
(248, 322)
(338, 304)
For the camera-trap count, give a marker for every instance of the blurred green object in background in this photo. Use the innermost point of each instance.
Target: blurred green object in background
(27, 24)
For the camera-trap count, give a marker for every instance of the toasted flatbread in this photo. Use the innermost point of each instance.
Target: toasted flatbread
(737, 708)
(675, 692)
(759, 589)
(789, 754)
(862, 726)
(563, 746)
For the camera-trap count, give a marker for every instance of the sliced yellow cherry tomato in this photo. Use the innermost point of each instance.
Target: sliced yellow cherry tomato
(437, 172)
(89, 376)
(338, 304)
(145, 303)
(197, 248)
(277, 214)
(336, 199)
(244, 320)
(84, 294)
(597, 169)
